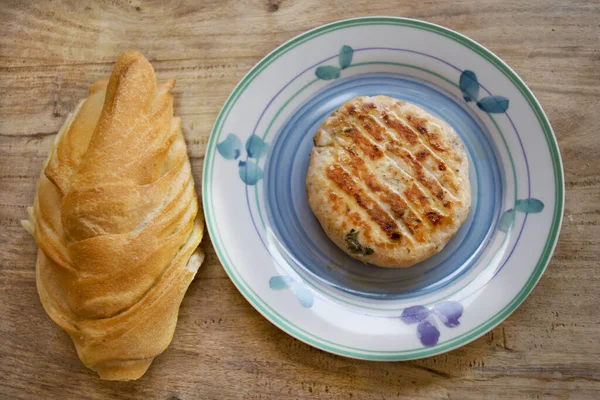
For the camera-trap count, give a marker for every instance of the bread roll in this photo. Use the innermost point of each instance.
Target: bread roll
(117, 223)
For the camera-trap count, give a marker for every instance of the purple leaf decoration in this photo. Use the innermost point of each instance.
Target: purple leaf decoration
(427, 333)
(414, 314)
(449, 312)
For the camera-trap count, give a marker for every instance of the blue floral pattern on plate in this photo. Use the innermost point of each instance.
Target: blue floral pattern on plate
(469, 86)
(249, 170)
(447, 312)
(329, 72)
(303, 294)
(295, 101)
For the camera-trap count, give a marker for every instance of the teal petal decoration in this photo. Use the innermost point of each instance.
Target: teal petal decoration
(530, 205)
(230, 148)
(304, 296)
(345, 57)
(256, 147)
(327, 72)
(280, 282)
(250, 172)
(469, 85)
(507, 221)
(493, 104)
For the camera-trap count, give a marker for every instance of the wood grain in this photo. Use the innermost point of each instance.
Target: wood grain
(51, 51)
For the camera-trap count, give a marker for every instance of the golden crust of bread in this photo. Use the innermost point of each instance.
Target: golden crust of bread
(388, 181)
(117, 222)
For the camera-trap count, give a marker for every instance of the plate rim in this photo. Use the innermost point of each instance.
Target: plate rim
(554, 152)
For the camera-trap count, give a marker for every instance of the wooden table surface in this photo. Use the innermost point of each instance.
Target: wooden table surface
(50, 52)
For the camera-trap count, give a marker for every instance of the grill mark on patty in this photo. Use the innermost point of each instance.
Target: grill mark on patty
(401, 130)
(420, 125)
(378, 132)
(369, 124)
(422, 155)
(353, 219)
(345, 182)
(369, 148)
(434, 217)
(417, 170)
(433, 185)
(400, 210)
(412, 127)
(419, 198)
(416, 196)
(420, 148)
(433, 138)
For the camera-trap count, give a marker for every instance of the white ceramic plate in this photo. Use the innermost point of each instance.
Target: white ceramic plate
(273, 247)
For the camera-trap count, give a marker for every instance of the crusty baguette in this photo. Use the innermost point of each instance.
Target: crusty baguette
(117, 223)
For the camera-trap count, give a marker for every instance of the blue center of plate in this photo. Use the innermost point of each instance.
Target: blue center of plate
(300, 237)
